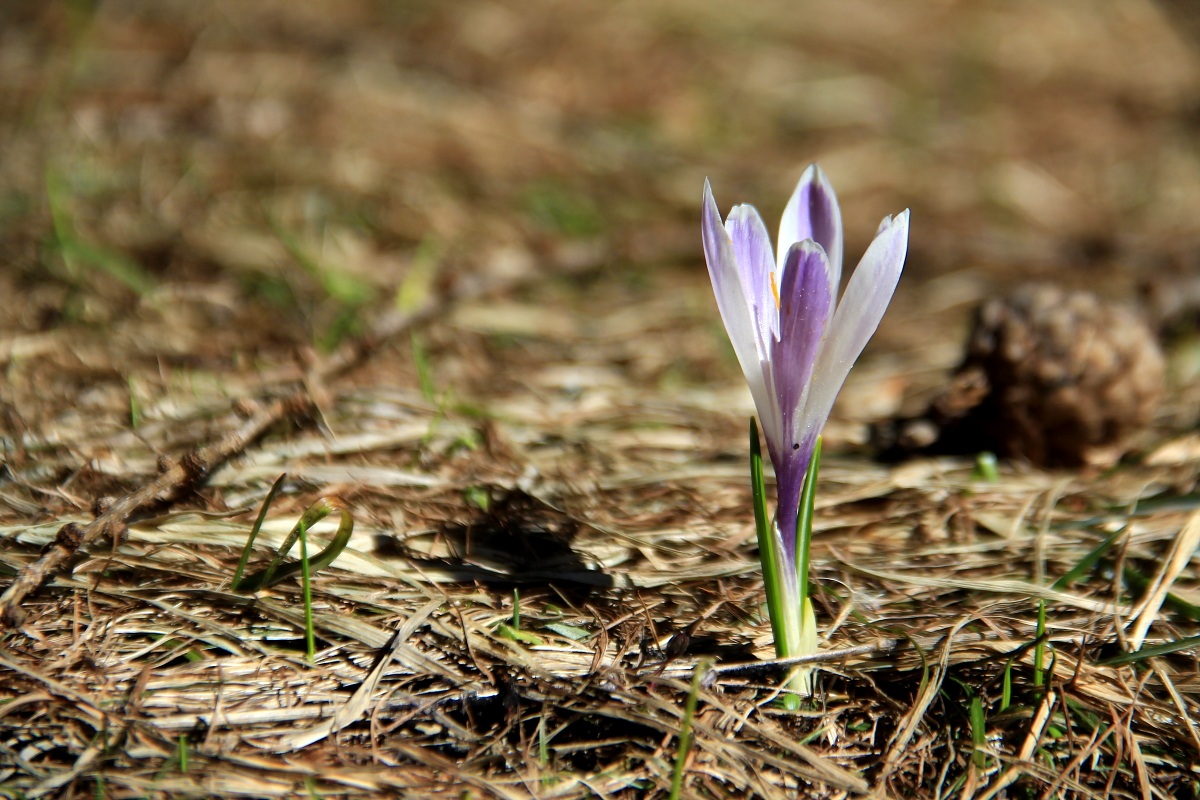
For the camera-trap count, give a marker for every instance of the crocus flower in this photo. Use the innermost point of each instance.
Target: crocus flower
(795, 343)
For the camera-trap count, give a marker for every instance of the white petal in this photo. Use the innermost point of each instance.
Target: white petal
(727, 286)
(742, 327)
(756, 265)
(858, 315)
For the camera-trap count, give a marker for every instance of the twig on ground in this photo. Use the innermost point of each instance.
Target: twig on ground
(195, 467)
(189, 472)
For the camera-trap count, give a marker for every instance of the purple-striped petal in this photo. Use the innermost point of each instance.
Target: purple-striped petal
(806, 300)
(727, 286)
(736, 313)
(756, 265)
(813, 213)
(858, 314)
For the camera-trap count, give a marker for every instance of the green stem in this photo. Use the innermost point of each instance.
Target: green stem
(804, 521)
(768, 553)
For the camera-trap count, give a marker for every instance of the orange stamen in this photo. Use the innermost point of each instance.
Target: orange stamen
(775, 290)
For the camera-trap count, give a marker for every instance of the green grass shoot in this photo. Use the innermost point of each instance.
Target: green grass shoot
(543, 751)
(478, 496)
(1164, 649)
(78, 255)
(985, 468)
(254, 530)
(685, 729)
(135, 408)
(347, 292)
(1006, 686)
(310, 639)
(417, 286)
(1088, 561)
(543, 742)
(424, 373)
(277, 571)
(512, 629)
(1039, 650)
(978, 733)
(1174, 602)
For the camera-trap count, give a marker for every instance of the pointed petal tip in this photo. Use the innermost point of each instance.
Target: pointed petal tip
(813, 213)
(745, 212)
(900, 220)
(816, 175)
(710, 214)
(813, 175)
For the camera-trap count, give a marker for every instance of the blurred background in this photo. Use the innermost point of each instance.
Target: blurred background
(211, 187)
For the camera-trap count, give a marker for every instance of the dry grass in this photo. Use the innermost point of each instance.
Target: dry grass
(441, 260)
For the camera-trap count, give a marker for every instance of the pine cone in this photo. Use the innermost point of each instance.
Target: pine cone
(1060, 378)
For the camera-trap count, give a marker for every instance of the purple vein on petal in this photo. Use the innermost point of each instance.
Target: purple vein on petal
(806, 298)
(813, 213)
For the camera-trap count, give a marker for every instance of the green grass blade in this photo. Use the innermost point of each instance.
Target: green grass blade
(135, 407)
(1006, 687)
(1172, 601)
(76, 252)
(277, 571)
(1039, 650)
(685, 730)
(1083, 715)
(978, 733)
(262, 515)
(310, 638)
(1089, 561)
(525, 637)
(1165, 649)
(424, 372)
(543, 742)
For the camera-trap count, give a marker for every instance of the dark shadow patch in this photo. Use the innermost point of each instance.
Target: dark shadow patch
(519, 539)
